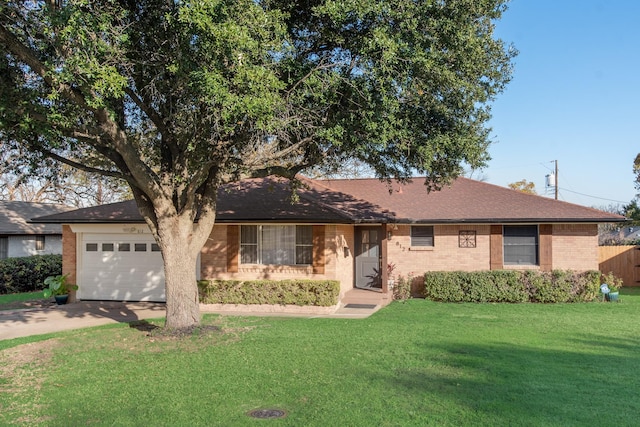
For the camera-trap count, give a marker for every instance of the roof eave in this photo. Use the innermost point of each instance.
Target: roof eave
(86, 221)
(509, 221)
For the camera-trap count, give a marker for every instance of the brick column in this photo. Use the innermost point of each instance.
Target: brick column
(69, 258)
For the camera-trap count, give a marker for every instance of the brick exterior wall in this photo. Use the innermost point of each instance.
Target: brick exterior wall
(343, 251)
(575, 247)
(69, 260)
(213, 257)
(445, 255)
(338, 262)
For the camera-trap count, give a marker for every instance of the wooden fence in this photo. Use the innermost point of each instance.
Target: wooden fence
(622, 261)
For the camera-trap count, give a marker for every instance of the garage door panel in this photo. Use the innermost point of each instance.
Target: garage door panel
(121, 268)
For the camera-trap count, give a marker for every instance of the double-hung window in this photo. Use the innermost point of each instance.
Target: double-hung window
(520, 244)
(276, 244)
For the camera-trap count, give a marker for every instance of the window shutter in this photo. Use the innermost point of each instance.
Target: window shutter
(233, 248)
(546, 247)
(496, 249)
(318, 249)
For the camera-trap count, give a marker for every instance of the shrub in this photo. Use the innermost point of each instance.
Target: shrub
(444, 286)
(614, 283)
(402, 288)
(27, 274)
(323, 293)
(512, 286)
(587, 286)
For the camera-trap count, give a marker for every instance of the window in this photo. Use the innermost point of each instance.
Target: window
(155, 247)
(520, 244)
(4, 247)
(249, 244)
(276, 244)
(422, 235)
(140, 247)
(92, 247)
(124, 247)
(107, 247)
(40, 243)
(304, 245)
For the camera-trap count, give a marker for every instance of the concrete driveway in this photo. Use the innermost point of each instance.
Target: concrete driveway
(27, 322)
(83, 314)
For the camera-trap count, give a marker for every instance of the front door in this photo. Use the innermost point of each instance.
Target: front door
(368, 257)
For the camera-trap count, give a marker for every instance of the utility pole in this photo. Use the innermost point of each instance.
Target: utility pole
(556, 162)
(552, 179)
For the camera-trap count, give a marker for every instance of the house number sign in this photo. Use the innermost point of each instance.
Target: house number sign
(132, 230)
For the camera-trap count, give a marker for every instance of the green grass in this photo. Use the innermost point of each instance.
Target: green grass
(26, 296)
(413, 364)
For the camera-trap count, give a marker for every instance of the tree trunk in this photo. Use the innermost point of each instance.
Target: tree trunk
(183, 310)
(180, 247)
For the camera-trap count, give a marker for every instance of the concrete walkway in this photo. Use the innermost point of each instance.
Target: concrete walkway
(83, 314)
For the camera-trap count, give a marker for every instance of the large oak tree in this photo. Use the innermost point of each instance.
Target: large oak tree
(179, 97)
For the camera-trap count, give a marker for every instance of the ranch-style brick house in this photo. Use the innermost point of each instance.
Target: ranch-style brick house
(342, 229)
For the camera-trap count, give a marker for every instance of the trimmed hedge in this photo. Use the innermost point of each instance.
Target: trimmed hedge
(27, 274)
(512, 286)
(322, 293)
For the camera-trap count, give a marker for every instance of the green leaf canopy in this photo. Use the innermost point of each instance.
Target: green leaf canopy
(177, 97)
(224, 89)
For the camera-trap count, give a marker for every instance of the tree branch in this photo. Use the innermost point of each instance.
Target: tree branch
(27, 56)
(83, 167)
(148, 110)
(108, 127)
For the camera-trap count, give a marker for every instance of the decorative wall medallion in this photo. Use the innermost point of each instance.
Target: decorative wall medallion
(467, 239)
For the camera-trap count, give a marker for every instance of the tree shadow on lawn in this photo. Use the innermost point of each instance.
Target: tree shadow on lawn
(593, 382)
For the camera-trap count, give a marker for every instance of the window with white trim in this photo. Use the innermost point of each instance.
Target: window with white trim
(422, 235)
(520, 244)
(276, 244)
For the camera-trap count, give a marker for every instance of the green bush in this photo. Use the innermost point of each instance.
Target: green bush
(323, 293)
(512, 286)
(27, 274)
(402, 288)
(444, 286)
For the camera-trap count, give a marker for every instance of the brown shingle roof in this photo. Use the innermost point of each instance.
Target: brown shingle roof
(270, 199)
(365, 201)
(251, 200)
(465, 200)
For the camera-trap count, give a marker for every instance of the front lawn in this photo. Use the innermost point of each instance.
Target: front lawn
(24, 300)
(413, 364)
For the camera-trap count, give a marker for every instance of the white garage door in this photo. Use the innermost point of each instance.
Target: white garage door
(121, 267)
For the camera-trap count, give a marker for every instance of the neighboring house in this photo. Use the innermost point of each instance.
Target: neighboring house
(620, 235)
(337, 229)
(19, 238)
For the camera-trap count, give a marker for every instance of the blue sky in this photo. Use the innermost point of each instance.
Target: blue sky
(574, 98)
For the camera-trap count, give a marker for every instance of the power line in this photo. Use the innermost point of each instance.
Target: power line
(593, 197)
